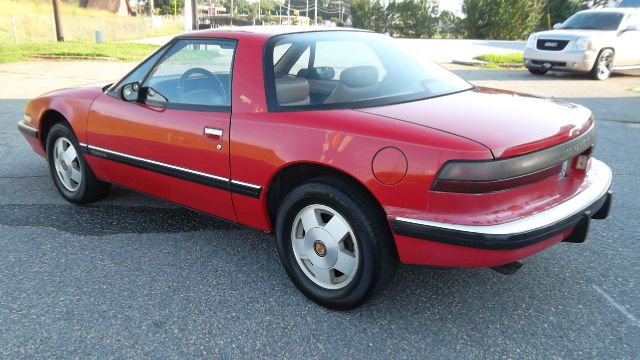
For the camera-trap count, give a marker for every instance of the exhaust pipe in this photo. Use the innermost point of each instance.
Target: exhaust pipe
(508, 269)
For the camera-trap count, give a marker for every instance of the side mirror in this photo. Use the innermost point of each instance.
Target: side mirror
(131, 92)
(557, 26)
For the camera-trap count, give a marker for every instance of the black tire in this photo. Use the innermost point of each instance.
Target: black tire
(89, 188)
(537, 71)
(378, 259)
(603, 66)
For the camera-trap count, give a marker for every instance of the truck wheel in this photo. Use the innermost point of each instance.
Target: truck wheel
(603, 65)
(334, 243)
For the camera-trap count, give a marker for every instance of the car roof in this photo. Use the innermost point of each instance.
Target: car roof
(263, 31)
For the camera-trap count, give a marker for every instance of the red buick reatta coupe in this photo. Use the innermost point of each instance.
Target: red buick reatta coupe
(357, 154)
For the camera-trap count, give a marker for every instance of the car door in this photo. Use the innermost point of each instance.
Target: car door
(167, 133)
(628, 51)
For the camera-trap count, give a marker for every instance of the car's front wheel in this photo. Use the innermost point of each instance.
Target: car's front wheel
(334, 243)
(603, 66)
(537, 71)
(70, 173)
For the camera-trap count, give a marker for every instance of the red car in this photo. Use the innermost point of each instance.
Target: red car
(358, 155)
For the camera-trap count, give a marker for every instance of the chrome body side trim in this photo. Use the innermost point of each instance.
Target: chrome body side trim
(27, 130)
(173, 167)
(216, 181)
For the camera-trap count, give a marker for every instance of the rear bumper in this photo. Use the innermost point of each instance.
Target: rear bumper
(567, 221)
(579, 61)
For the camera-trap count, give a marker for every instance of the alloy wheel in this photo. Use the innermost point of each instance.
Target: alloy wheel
(67, 164)
(325, 246)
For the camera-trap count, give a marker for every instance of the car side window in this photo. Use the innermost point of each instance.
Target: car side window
(137, 74)
(193, 72)
(301, 63)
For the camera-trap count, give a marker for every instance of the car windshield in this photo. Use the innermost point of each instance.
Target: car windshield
(594, 21)
(349, 69)
(630, 3)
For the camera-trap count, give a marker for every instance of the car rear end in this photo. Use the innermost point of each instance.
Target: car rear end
(490, 213)
(538, 184)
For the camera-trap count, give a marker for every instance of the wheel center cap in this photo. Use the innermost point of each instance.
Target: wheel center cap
(63, 164)
(319, 248)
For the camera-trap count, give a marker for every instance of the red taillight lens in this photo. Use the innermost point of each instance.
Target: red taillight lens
(500, 174)
(480, 187)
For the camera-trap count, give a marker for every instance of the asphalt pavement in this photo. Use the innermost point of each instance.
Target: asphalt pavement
(132, 276)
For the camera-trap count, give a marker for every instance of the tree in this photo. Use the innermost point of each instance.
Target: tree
(559, 10)
(165, 7)
(501, 19)
(594, 3)
(368, 14)
(409, 18)
(450, 25)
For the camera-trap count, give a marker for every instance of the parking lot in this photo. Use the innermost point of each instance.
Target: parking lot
(133, 276)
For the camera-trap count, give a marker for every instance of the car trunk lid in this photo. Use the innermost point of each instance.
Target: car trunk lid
(507, 123)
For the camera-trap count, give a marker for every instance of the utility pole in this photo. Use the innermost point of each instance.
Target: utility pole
(56, 17)
(315, 13)
(307, 12)
(194, 14)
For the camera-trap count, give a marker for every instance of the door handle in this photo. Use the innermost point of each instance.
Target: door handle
(213, 134)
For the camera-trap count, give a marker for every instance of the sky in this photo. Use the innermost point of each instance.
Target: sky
(452, 5)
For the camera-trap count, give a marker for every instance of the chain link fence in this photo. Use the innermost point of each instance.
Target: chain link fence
(21, 28)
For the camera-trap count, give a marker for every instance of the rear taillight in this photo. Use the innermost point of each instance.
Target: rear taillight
(479, 187)
(494, 175)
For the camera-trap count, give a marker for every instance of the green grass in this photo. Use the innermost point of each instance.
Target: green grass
(45, 7)
(121, 51)
(515, 58)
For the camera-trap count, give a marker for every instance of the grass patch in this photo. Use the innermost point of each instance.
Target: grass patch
(45, 7)
(515, 58)
(120, 51)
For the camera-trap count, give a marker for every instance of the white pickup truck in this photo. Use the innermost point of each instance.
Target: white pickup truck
(591, 41)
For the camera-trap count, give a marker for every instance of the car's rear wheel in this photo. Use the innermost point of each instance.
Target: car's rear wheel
(334, 243)
(70, 173)
(537, 71)
(603, 66)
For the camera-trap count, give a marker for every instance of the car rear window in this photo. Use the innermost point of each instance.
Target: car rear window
(349, 69)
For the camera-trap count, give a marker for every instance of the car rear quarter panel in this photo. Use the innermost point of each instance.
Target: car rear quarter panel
(263, 143)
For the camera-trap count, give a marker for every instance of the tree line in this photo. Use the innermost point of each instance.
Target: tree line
(483, 19)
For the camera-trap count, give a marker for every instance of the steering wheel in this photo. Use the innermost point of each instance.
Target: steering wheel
(219, 88)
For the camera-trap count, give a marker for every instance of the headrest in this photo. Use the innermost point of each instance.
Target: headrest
(291, 90)
(359, 76)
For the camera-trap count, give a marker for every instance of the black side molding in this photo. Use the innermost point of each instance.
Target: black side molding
(180, 173)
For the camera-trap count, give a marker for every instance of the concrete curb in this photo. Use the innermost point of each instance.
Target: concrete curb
(73, 58)
(474, 62)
